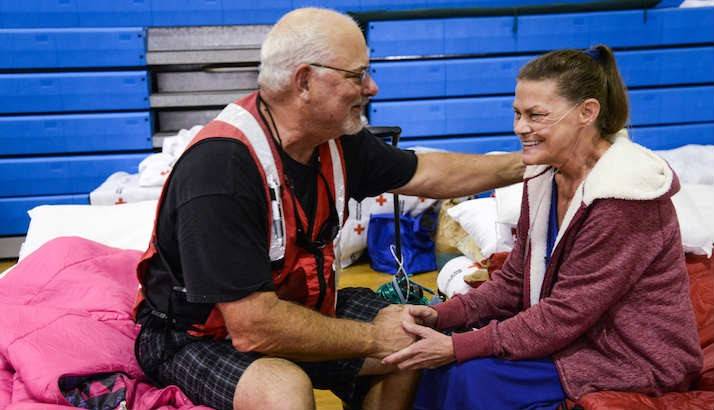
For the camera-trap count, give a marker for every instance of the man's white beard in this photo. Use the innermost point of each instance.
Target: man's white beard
(352, 127)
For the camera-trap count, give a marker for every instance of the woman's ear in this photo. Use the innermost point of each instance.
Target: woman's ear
(589, 111)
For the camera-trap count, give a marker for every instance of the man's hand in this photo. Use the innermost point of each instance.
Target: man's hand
(389, 334)
(433, 350)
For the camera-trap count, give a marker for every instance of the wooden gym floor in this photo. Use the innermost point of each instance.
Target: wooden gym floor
(357, 275)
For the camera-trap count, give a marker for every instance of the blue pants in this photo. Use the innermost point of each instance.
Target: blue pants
(491, 384)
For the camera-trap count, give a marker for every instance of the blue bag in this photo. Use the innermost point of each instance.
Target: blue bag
(416, 241)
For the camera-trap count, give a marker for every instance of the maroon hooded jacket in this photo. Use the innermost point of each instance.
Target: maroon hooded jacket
(612, 308)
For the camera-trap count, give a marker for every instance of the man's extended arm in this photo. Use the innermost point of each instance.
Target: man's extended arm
(449, 175)
(263, 323)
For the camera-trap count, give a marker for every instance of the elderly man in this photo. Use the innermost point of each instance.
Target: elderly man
(239, 305)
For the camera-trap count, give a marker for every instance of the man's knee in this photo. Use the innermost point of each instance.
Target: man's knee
(273, 383)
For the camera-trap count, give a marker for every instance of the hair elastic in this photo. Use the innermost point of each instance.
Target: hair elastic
(594, 53)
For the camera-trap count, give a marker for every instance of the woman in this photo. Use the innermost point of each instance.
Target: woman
(594, 295)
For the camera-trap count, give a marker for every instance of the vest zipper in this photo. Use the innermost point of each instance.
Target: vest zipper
(320, 260)
(317, 250)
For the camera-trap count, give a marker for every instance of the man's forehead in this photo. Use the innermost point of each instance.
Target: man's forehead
(351, 53)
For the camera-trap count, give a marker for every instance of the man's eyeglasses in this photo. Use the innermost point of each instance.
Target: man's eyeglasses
(360, 75)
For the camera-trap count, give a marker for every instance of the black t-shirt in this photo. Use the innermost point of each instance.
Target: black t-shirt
(212, 226)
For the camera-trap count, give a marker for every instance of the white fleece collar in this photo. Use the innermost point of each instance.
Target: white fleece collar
(627, 171)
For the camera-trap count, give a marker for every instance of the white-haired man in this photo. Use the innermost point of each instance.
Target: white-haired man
(239, 305)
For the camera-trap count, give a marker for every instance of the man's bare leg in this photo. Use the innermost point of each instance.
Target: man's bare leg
(272, 383)
(392, 389)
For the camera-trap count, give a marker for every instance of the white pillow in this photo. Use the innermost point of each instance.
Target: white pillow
(478, 218)
(697, 232)
(697, 3)
(126, 226)
(508, 204)
(703, 198)
(692, 163)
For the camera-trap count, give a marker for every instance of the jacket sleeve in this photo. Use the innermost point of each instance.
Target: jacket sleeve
(613, 247)
(498, 298)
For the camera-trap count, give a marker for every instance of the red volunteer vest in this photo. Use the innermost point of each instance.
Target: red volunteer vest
(306, 274)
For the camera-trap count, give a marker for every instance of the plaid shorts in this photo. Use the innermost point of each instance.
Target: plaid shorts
(208, 371)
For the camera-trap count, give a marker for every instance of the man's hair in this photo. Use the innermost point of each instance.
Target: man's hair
(288, 45)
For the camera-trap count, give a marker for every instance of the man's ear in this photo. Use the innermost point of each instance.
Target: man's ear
(301, 80)
(589, 111)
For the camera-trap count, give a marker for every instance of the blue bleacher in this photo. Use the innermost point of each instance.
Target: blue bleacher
(190, 12)
(656, 138)
(537, 33)
(471, 145)
(92, 13)
(56, 134)
(254, 11)
(108, 101)
(497, 75)
(673, 136)
(73, 91)
(492, 3)
(458, 116)
(76, 47)
(40, 176)
(161, 13)
(38, 13)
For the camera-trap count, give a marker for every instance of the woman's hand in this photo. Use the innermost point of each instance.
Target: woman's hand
(434, 349)
(423, 315)
(388, 330)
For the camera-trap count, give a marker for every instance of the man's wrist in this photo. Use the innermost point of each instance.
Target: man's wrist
(372, 343)
(517, 168)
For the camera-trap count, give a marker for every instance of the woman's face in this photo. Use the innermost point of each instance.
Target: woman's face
(545, 122)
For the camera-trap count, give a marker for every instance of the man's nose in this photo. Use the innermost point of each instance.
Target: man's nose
(370, 87)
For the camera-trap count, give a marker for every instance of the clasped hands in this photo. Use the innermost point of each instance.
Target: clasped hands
(409, 340)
